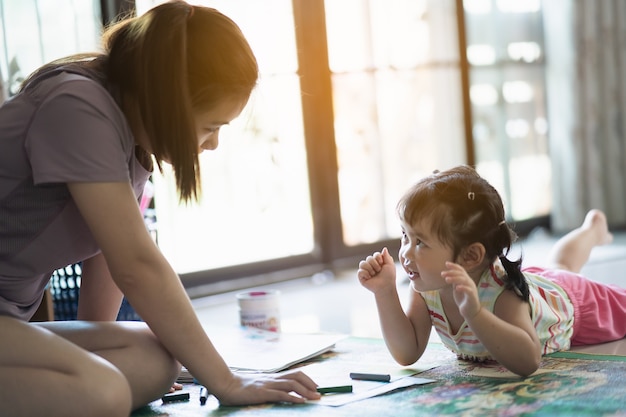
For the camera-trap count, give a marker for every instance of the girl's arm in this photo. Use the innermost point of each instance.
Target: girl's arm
(406, 334)
(507, 333)
(155, 291)
(408, 337)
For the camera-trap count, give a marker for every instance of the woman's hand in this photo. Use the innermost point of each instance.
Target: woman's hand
(463, 289)
(291, 387)
(377, 271)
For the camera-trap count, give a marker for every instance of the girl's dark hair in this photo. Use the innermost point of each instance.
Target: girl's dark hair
(463, 208)
(173, 60)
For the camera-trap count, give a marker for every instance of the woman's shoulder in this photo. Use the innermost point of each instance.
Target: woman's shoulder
(77, 95)
(69, 81)
(75, 118)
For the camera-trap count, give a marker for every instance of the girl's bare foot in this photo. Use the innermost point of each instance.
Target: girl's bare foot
(596, 220)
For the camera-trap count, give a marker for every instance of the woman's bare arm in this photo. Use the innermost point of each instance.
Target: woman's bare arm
(155, 291)
(100, 298)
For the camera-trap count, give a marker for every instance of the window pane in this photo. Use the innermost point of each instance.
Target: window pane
(397, 103)
(505, 51)
(33, 33)
(256, 202)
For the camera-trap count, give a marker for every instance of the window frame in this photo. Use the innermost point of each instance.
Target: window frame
(329, 253)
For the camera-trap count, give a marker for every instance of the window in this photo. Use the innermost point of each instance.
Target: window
(510, 125)
(396, 95)
(34, 32)
(256, 201)
(357, 99)
(392, 114)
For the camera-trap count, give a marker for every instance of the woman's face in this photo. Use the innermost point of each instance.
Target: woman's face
(208, 123)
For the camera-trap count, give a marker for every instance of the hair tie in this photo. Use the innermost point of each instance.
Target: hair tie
(501, 223)
(471, 195)
(191, 9)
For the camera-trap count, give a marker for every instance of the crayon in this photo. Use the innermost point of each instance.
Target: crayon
(335, 390)
(175, 396)
(370, 377)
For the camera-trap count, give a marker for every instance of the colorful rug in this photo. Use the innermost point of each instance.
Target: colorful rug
(568, 384)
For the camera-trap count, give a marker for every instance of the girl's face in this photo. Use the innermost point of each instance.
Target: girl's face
(208, 123)
(423, 256)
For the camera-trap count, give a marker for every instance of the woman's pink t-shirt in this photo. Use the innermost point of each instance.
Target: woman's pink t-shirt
(65, 127)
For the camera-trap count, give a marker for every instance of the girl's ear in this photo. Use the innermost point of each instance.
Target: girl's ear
(473, 256)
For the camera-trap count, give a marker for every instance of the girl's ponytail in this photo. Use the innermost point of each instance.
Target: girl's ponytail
(516, 280)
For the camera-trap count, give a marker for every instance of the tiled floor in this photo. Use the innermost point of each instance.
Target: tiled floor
(338, 304)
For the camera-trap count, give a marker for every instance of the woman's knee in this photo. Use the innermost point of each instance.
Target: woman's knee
(75, 383)
(133, 349)
(157, 353)
(106, 391)
(153, 370)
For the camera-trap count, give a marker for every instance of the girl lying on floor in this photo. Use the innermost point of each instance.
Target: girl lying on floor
(483, 305)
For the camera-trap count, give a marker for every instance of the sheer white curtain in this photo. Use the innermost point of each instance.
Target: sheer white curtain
(586, 95)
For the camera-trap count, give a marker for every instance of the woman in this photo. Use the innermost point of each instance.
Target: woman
(76, 148)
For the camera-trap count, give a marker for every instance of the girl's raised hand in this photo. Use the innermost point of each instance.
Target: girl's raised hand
(377, 271)
(463, 289)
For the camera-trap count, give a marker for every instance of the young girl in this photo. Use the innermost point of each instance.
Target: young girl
(454, 241)
(76, 148)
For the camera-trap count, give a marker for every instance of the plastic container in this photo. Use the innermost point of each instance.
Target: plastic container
(260, 309)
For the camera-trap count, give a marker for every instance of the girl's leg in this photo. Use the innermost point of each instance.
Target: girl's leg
(571, 252)
(42, 373)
